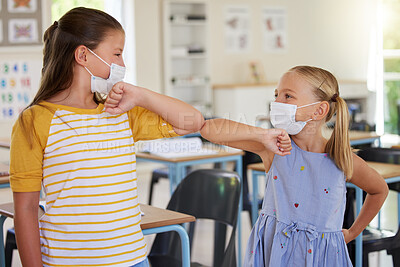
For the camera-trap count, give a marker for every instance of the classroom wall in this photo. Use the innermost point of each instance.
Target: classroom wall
(329, 34)
(148, 44)
(31, 54)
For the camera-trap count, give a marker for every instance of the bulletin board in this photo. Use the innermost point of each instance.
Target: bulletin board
(19, 81)
(20, 22)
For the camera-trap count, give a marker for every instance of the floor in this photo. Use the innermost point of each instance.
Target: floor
(202, 250)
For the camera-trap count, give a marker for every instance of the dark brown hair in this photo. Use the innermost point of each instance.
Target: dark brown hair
(79, 26)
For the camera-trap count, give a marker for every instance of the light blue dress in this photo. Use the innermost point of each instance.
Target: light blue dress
(300, 223)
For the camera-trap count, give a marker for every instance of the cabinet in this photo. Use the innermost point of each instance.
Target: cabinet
(245, 103)
(186, 60)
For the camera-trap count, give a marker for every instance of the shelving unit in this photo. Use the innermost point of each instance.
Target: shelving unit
(186, 61)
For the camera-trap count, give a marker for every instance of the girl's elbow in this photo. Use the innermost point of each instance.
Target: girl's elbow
(382, 191)
(385, 190)
(198, 122)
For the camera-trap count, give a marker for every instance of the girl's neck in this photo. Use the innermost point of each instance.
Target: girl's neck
(68, 98)
(310, 140)
(78, 95)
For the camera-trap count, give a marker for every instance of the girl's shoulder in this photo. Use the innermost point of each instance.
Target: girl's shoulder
(36, 117)
(39, 110)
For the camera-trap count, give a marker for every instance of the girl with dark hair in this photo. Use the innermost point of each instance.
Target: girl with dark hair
(81, 152)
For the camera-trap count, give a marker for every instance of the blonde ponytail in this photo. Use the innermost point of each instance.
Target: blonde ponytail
(338, 146)
(327, 89)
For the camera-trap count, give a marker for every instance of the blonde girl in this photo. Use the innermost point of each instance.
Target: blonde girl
(300, 223)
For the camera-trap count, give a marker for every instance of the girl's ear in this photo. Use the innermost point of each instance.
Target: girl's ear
(321, 111)
(81, 55)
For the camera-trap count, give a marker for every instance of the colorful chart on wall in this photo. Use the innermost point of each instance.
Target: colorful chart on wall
(237, 29)
(274, 21)
(21, 22)
(19, 81)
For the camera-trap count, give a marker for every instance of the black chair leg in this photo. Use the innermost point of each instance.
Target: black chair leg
(396, 259)
(365, 259)
(11, 244)
(153, 181)
(219, 243)
(395, 253)
(192, 227)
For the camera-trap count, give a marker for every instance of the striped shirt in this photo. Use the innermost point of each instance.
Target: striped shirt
(85, 161)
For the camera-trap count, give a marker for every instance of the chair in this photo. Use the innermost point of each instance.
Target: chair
(4, 176)
(11, 244)
(374, 239)
(384, 155)
(161, 173)
(156, 175)
(205, 194)
(249, 158)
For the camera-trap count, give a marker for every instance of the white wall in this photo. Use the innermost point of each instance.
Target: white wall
(330, 34)
(148, 44)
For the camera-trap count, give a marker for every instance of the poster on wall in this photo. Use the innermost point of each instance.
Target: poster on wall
(21, 22)
(274, 27)
(18, 85)
(237, 29)
(22, 6)
(22, 31)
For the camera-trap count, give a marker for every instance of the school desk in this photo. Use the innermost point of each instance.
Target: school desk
(5, 142)
(177, 171)
(391, 173)
(357, 137)
(4, 176)
(154, 221)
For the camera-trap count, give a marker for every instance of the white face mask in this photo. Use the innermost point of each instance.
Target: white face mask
(284, 116)
(104, 86)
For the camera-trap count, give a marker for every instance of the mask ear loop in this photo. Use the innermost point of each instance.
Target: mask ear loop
(89, 71)
(98, 57)
(309, 104)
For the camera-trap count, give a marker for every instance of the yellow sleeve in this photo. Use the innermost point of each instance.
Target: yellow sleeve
(26, 154)
(147, 125)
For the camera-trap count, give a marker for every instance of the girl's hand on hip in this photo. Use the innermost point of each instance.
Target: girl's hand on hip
(277, 141)
(120, 98)
(347, 235)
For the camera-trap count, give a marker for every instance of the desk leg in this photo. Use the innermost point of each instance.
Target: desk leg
(182, 234)
(398, 207)
(254, 203)
(179, 175)
(359, 243)
(2, 256)
(239, 170)
(223, 165)
(172, 178)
